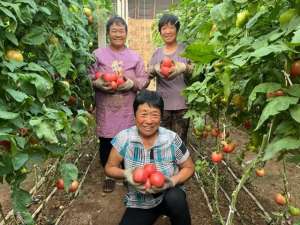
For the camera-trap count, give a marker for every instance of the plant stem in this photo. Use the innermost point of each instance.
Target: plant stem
(216, 188)
(243, 180)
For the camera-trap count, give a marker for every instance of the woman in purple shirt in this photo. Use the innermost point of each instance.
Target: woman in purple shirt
(170, 86)
(114, 105)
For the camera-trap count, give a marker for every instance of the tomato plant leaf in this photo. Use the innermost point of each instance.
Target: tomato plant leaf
(286, 143)
(17, 95)
(20, 200)
(252, 21)
(222, 14)
(36, 36)
(12, 38)
(296, 38)
(285, 128)
(8, 13)
(264, 51)
(262, 88)
(44, 129)
(295, 112)
(61, 61)
(6, 166)
(79, 125)
(8, 115)
(294, 90)
(200, 52)
(276, 106)
(19, 160)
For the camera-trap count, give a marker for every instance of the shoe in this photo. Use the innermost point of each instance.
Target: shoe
(109, 185)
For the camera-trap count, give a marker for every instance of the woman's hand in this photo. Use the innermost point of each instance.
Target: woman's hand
(102, 85)
(169, 183)
(126, 86)
(128, 176)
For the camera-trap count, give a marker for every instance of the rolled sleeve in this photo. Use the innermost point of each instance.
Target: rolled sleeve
(181, 152)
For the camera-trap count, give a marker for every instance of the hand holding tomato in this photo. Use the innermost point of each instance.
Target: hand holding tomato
(167, 183)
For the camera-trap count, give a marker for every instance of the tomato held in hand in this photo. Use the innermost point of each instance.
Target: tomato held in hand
(157, 179)
(139, 175)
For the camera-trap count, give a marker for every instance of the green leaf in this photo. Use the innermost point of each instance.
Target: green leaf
(295, 112)
(251, 22)
(12, 38)
(8, 13)
(17, 95)
(66, 17)
(35, 67)
(200, 52)
(60, 32)
(294, 90)
(44, 130)
(8, 115)
(6, 166)
(19, 160)
(222, 14)
(44, 87)
(296, 38)
(262, 88)
(80, 125)
(276, 106)
(36, 36)
(69, 173)
(264, 51)
(275, 147)
(285, 128)
(20, 200)
(61, 61)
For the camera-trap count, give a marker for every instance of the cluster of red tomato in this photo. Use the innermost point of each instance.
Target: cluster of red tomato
(73, 186)
(166, 66)
(113, 79)
(149, 176)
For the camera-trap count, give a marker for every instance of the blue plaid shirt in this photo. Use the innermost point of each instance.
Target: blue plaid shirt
(167, 153)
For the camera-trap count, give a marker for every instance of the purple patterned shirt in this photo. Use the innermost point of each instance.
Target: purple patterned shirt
(114, 112)
(170, 90)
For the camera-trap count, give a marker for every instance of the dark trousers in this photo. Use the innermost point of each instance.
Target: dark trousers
(104, 150)
(174, 205)
(173, 120)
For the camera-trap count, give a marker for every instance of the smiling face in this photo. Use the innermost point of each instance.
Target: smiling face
(168, 33)
(117, 35)
(147, 119)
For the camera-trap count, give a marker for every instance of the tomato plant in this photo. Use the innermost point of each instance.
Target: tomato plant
(44, 90)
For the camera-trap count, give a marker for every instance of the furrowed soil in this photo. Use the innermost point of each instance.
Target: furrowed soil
(93, 207)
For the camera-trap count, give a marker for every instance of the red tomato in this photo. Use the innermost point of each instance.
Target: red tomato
(60, 184)
(247, 124)
(147, 184)
(114, 85)
(228, 148)
(279, 93)
(215, 132)
(5, 145)
(139, 175)
(165, 71)
(295, 69)
(260, 172)
(149, 169)
(280, 199)
(110, 77)
(157, 179)
(120, 81)
(167, 62)
(74, 185)
(98, 74)
(216, 157)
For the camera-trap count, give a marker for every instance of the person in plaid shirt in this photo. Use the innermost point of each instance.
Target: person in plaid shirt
(145, 143)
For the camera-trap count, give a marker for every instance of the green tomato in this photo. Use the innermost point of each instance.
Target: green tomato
(242, 18)
(286, 17)
(294, 211)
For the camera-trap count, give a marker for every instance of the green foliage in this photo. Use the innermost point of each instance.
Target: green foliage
(45, 51)
(243, 52)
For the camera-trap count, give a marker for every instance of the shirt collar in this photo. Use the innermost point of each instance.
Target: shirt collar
(160, 141)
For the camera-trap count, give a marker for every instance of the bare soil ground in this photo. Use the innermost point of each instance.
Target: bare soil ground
(92, 207)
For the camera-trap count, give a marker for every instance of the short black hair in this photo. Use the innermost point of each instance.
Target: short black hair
(115, 20)
(168, 18)
(152, 98)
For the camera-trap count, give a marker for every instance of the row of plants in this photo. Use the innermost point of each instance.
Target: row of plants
(247, 75)
(45, 92)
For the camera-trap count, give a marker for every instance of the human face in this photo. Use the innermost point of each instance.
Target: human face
(117, 36)
(147, 119)
(168, 33)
